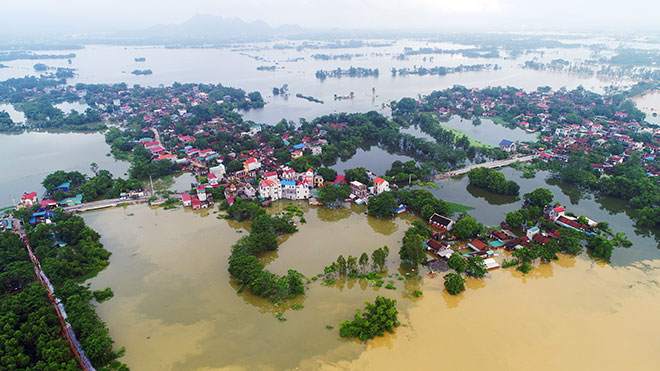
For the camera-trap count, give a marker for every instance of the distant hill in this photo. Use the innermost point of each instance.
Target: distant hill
(209, 28)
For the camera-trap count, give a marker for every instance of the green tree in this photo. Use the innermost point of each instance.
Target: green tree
(382, 205)
(412, 250)
(515, 219)
(376, 318)
(457, 263)
(476, 267)
(341, 265)
(454, 283)
(364, 261)
(467, 227)
(539, 197)
(525, 256)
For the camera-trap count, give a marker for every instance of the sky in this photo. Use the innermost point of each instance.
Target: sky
(47, 17)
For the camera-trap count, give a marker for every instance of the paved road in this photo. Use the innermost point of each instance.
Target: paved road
(103, 204)
(490, 165)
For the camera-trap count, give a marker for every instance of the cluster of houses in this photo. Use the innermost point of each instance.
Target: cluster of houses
(499, 238)
(438, 246)
(562, 135)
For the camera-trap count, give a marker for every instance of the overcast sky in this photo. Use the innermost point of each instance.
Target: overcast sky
(65, 16)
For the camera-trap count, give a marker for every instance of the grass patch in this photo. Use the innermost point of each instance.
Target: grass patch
(455, 208)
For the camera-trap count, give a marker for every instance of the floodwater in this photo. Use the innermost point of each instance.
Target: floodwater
(26, 159)
(176, 308)
(487, 132)
(237, 67)
(649, 103)
(375, 159)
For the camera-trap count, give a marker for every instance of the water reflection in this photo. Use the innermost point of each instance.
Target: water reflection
(490, 197)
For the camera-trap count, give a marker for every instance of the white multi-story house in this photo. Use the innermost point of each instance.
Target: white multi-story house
(219, 171)
(302, 190)
(251, 164)
(289, 189)
(381, 185)
(270, 189)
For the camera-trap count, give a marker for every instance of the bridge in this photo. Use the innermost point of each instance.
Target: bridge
(490, 165)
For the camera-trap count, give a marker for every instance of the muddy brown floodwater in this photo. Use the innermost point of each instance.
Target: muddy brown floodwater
(176, 308)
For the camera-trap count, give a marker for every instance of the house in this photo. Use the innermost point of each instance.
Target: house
(186, 200)
(219, 171)
(507, 145)
(340, 179)
(316, 150)
(381, 185)
(251, 164)
(296, 154)
(359, 190)
(288, 174)
(63, 187)
(556, 212)
(491, 263)
(441, 222)
(201, 193)
(29, 199)
(48, 204)
(309, 177)
(270, 189)
(42, 217)
(213, 180)
(288, 189)
(477, 245)
(270, 176)
(531, 232)
(302, 191)
(71, 201)
(568, 223)
(540, 239)
(248, 191)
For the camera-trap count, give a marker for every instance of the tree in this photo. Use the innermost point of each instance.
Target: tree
(476, 267)
(600, 247)
(341, 265)
(329, 175)
(382, 205)
(331, 194)
(548, 252)
(377, 318)
(454, 283)
(378, 257)
(515, 219)
(351, 264)
(412, 250)
(539, 197)
(358, 174)
(364, 261)
(467, 227)
(457, 263)
(525, 256)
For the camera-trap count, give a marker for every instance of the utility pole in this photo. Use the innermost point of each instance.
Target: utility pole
(152, 185)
